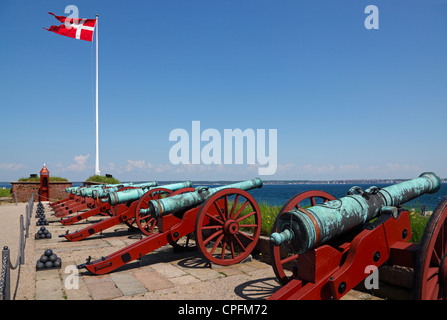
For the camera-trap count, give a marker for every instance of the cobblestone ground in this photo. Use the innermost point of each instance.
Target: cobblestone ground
(160, 275)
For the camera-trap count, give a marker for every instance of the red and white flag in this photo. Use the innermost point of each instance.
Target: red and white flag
(74, 28)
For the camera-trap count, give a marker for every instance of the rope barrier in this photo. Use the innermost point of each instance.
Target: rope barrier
(6, 261)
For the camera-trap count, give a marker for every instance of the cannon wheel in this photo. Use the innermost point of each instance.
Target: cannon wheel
(430, 269)
(146, 223)
(278, 259)
(228, 226)
(188, 244)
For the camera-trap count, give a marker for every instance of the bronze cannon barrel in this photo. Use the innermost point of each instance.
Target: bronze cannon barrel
(186, 201)
(118, 197)
(300, 230)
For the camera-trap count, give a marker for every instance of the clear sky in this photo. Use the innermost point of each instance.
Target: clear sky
(347, 102)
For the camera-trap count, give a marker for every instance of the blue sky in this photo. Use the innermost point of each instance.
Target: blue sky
(347, 102)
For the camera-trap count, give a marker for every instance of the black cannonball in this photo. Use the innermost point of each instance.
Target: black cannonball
(46, 231)
(42, 228)
(48, 235)
(40, 265)
(57, 263)
(48, 252)
(40, 232)
(48, 264)
(43, 258)
(37, 236)
(38, 223)
(52, 258)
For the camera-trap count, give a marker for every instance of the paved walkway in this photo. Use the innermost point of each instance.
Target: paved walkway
(160, 275)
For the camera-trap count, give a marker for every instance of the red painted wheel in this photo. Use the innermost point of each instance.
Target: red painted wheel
(228, 226)
(430, 269)
(281, 258)
(145, 222)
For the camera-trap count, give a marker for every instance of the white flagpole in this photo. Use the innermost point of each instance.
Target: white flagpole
(97, 172)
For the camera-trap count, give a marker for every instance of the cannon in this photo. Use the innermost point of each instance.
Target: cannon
(88, 201)
(72, 191)
(75, 195)
(329, 245)
(103, 207)
(83, 197)
(121, 208)
(224, 223)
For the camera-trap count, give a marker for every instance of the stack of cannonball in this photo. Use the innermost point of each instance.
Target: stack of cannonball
(42, 233)
(40, 214)
(48, 260)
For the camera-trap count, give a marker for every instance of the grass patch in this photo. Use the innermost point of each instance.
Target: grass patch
(38, 179)
(103, 179)
(5, 192)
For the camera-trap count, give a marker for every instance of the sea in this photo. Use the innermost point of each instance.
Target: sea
(277, 194)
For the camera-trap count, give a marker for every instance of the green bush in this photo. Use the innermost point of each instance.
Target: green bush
(103, 179)
(5, 192)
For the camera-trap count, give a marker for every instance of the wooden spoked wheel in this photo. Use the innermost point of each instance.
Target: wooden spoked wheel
(145, 222)
(282, 258)
(430, 268)
(186, 243)
(228, 226)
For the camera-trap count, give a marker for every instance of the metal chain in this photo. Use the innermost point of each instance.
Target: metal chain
(3, 276)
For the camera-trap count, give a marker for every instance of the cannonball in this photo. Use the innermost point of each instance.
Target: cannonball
(43, 258)
(40, 232)
(48, 264)
(48, 235)
(38, 223)
(48, 252)
(57, 263)
(40, 265)
(37, 236)
(46, 231)
(52, 258)
(42, 228)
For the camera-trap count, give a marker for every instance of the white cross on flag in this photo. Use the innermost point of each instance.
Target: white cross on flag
(74, 28)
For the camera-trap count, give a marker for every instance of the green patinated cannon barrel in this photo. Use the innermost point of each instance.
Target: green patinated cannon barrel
(88, 192)
(124, 196)
(303, 229)
(81, 191)
(186, 201)
(103, 192)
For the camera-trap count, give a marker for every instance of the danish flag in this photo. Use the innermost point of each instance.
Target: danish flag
(74, 28)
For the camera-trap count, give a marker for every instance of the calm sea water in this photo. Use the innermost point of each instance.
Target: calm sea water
(278, 194)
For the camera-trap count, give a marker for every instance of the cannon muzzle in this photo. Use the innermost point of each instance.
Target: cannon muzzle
(186, 201)
(301, 229)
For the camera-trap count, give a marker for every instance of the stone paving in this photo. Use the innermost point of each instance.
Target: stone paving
(160, 275)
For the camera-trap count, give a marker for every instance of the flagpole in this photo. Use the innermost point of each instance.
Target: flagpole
(97, 172)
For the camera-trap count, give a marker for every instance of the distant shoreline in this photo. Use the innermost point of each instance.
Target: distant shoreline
(267, 182)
